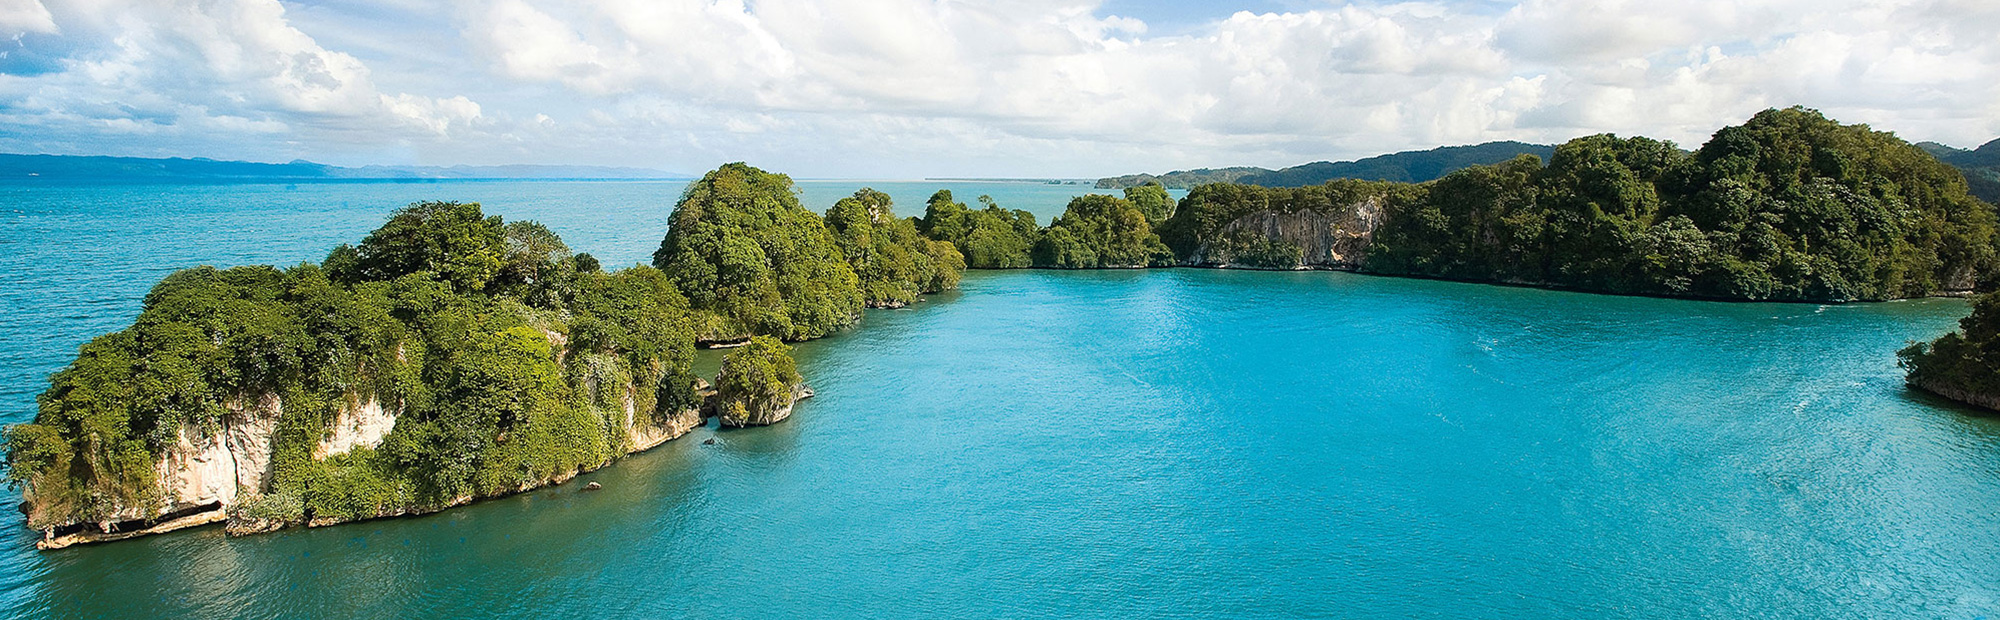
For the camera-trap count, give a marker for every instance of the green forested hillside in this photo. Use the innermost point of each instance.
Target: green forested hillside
(1407, 167)
(1981, 167)
(1099, 231)
(1788, 206)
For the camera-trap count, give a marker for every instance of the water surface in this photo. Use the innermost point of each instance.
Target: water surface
(1169, 443)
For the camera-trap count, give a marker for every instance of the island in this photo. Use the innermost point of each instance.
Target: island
(448, 357)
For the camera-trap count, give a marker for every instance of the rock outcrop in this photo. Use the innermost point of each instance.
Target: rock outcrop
(1338, 238)
(208, 473)
(761, 413)
(1988, 401)
(359, 426)
(199, 478)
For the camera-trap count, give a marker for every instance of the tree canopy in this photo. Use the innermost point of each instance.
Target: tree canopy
(893, 262)
(988, 238)
(752, 261)
(1100, 231)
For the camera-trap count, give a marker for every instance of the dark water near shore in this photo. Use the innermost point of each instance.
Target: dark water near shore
(1177, 443)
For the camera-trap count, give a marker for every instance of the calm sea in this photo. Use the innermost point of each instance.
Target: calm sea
(1168, 443)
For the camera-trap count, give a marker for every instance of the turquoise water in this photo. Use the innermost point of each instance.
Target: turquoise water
(1173, 443)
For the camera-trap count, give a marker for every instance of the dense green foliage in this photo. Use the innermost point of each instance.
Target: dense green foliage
(505, 363)
(895, 264)
(1152, 201)
(989, 238)
(1788, 206)
(1966, 361)
(752, 261)
(756, 380)
(1098, 231)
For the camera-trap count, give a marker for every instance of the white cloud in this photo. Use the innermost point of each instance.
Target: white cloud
(18, 17)
(998, 87)
(201, 71)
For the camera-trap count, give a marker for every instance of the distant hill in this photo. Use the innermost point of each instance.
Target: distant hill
(1182, 179)
(1407, 166)
(95, 168)
(1981, 166)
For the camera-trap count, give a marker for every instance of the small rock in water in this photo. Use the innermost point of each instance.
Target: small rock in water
(710, 442)
(592, 486)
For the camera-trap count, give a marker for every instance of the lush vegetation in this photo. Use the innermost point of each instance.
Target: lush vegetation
(508, 360)
(1152, 201)
(1965, 363)
(988, 238)
(894, 263)
(757, 381)
(1788, 206)
(1099, 231)
(752, 261)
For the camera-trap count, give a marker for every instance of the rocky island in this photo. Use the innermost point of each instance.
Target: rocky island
(448, 357)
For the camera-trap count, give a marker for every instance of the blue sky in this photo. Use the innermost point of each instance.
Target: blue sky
(912, 88)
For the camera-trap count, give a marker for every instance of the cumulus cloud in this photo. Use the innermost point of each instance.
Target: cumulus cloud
(997, 87)
(201, 72)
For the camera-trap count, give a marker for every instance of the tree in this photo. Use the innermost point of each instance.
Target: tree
(1152, 200)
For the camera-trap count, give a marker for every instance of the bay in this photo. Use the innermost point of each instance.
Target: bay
(1164, 443)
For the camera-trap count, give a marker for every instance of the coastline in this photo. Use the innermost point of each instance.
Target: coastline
(674, 427)
(1952, 294)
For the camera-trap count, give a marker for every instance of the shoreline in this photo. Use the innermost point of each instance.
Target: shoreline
(1528, 285)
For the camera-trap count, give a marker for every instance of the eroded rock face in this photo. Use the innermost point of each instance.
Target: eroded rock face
(359, 426)
(198, 470)
(1337, 239)
(644, 434)
(1989, 401)
(248, 430)
(207, 466)
(763, 413)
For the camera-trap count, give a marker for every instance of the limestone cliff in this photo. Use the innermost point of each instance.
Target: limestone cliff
(1304, 239)
(208, 473)
(1325, 227)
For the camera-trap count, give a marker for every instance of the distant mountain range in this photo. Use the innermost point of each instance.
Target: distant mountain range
(1981, 166)
(95, 168)
(1407, 166)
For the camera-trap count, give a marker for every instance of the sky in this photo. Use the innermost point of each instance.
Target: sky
(928, 88)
